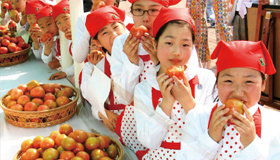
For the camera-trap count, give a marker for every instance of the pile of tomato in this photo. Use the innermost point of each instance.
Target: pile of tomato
(69, 145)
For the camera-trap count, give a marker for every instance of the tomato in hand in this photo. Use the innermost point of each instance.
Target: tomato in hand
(46, 36)
(96, 3)
(12, 24)
(138, 32)
(175, 71)
(234, 105)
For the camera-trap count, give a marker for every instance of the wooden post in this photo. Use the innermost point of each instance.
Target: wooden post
(76, 9)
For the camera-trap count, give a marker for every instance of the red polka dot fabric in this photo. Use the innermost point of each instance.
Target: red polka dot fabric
(147, 65)
(231, 144)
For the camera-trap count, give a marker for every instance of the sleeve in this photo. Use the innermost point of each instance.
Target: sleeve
(37, 52)
(82, 37)
(46, 59)
(274, 148)
(124, 73)
(197, 142)
(6, 19)
(151, 124)
(69, 71)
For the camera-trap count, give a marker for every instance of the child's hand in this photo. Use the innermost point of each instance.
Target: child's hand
(112, 117)
(245, 126)
(149, 45)
(165, 86)
(35, 33)
(3, 11)
(13, 29)
(107, 122)
(130, 48)
(68, 34)
(58, 75)
(218, 122)
(49, 43)
(33, 36)
(54, 63)
(94, 58)
(16, 18)
(183, 94)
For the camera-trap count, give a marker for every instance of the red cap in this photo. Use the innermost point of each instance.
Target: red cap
(44, 12)
(245, 54)
(33, 6)
(61, 7)
(169, 14)
(163, 2)
(10, 5)
(99, 18)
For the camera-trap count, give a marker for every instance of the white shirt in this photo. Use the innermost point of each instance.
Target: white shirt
(46, 59)
(38, 52)
(199, 145)
(70, 70)
(152, 124)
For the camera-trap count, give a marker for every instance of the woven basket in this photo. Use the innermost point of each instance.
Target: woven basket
(117, 144)
(14, 58)
(37, 119)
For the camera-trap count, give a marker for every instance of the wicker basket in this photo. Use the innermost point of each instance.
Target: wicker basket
(37, 119)
(14, 58)
(117, 144)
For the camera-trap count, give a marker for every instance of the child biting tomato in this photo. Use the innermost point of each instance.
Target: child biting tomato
(162, 101)
(212, 133)
(51, 47)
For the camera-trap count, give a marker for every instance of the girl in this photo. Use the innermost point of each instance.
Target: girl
(61, 16)
(110, 25)
(51, 47)
(33, 7)
(211, 134)
(161, 104)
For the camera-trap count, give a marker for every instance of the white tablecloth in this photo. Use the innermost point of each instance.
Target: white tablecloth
(11, 136)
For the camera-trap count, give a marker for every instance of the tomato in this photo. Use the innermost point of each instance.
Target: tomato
(34, 25)
(15, 93)
(54, 134)
(11, 103)
(104, 141)
(7, 37)
(96, 3)
(49, 88)
(83, 155)
(46, 143)
(13, 13)
(37, 92)
(32, 153)
(77, 158)
(32, 84)
(62, 100)
(12, 47)
(21, 44)
(3, 50)
(12, 24)
(71, 134)
(50, 103)
(22, 100)
(175, 71)
(69, 91)
(2, 27)
(68, 144)
(37, 141)
(79, 147)
(97, 154)
(38, 101)
(112, 151)
(46, 36)
(89, 134)
(23, 156)
(6, 100)
(59, 139)
(14, 40)
(234, 105)
(5, 42)
(19, 39)
(138, 32)
(60, 149)
(50, 154)
(92, 143)
(61, 93)
(80, 135)
(5, 5)
(25, 145)
(49, 96)
(67, 155)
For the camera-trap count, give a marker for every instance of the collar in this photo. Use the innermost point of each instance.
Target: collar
(108, 57)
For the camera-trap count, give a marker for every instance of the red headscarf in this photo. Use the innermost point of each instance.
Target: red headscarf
(245, 54)
(62, 7)
(33, 6)
(163, 2)
(44, 12)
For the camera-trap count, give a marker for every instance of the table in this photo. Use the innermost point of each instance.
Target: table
(11, 136)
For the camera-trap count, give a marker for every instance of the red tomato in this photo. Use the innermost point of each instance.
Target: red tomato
(34, 25)
(25, 145)
(83, 155)
(7, 37)
(46, 36)
(68, 144)
(30, 106)
(46, 143)
(2, 27)
(138, 32)
(65, 129)
(5, 42)
(12, 47)
(14, 40)
(234, 105)
(5, 5)
(32, 153)
(104, 141)
(12, 24)
(97, 154)
(59, 139)
(21, 44)
(80, 135)
(37, 141)
(79, 147)
(38, 101)
(175, 71)
(3, 50)
(67, 155)
(19, 39)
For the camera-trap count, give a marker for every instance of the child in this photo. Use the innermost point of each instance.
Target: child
(133, 58)
(5, 16)
(241, 70)
(61, 16)
(51, 47)
(161, 104)
(110, 25)
(32, 8)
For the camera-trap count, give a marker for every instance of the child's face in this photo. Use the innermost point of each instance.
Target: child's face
(63, 22)
(174, 46)
(107, 35)
(19, 5)
(244, 84)
(47, 24)
(31, 18)
(146, 19)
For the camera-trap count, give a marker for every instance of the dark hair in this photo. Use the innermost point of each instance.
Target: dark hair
(217, 98)
(179, 22)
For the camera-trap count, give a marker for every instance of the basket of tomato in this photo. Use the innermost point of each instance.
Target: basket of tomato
(69, 144)
(39, 105)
